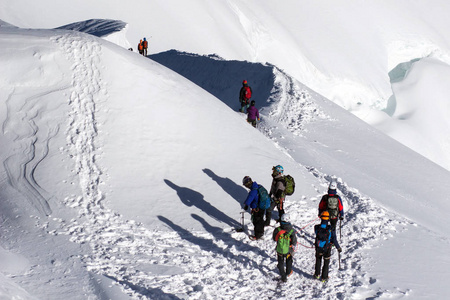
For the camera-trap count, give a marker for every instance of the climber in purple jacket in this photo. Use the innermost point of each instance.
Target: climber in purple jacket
(252, 114)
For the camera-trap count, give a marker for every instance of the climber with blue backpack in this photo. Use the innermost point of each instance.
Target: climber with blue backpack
(286, 240)
(325, 239)
(258, 201)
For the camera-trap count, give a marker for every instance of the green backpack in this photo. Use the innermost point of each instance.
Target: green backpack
(289, 185)
(283, 239)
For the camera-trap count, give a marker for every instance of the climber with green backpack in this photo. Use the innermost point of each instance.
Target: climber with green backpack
(258, 201)
(282, 186)
(286, 240)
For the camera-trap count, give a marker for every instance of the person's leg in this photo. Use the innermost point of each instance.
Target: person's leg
(259, 224)
(333, 224)
(281, 267)
(326, 264)
(318, 264)
(269, 213)
(289, 261)
(280, 207)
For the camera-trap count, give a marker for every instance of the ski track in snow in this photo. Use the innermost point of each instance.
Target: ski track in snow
(214, 263)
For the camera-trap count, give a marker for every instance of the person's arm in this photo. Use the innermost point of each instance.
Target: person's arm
(322, 204)
(250, 201)
(341, 209)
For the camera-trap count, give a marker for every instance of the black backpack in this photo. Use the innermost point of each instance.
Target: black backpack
(323, 238)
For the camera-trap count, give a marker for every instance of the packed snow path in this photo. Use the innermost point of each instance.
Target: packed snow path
(172, 262)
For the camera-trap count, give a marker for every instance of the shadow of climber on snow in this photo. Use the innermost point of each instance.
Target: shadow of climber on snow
(190, 198)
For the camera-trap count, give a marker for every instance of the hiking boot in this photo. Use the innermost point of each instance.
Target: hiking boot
(254, 238)
(324, 280)
(316, 276)
(284, 279)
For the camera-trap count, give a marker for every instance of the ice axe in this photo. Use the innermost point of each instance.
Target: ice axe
(242, 222)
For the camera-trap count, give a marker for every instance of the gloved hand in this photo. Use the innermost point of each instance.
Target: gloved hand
(258, 119)
(245, 207)
(341, 217)
(339, 250)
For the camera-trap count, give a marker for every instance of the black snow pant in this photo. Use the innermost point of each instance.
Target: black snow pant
(280, 208)
(333, 223)
(253, 122)
(289, 260)
(258, 222)
(326, 263)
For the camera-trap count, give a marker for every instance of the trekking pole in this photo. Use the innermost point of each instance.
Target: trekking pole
(339, 255)
(340, 229)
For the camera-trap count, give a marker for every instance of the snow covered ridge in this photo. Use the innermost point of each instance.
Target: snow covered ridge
(110, 30)
(278, 95)
(5, 24)
(97, 27)
(142, 171)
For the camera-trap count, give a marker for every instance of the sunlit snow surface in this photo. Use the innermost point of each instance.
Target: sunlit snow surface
(122, 180)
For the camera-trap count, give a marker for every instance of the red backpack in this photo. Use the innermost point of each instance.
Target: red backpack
(247, 93)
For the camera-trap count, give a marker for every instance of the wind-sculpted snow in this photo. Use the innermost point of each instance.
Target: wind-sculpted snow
(97, 27)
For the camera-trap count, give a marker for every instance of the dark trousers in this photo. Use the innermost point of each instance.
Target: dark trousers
(333, 223)
(289, 259)
(326, 263)
(253, 122)
(258, 222)
(244, 106)
(280, 208)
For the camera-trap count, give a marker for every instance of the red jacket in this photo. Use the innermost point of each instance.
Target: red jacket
(323, 205)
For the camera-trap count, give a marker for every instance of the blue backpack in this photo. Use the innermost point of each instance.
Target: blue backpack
(263, 198)
(323, 238)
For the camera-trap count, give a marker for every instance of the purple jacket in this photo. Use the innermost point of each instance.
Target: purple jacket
(252, 113)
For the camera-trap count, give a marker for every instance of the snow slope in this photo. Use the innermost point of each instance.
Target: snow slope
(344, 50)
(121, 179)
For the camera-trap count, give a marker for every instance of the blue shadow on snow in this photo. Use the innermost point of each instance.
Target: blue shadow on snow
(221, 78)
(191, 198)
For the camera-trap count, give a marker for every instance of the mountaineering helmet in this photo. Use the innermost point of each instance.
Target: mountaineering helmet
(244, 82)
(332, 188)
(285, 218)
(333, 185)
(252, 103)
(325, 215)
(277, 170)
(247, 181)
